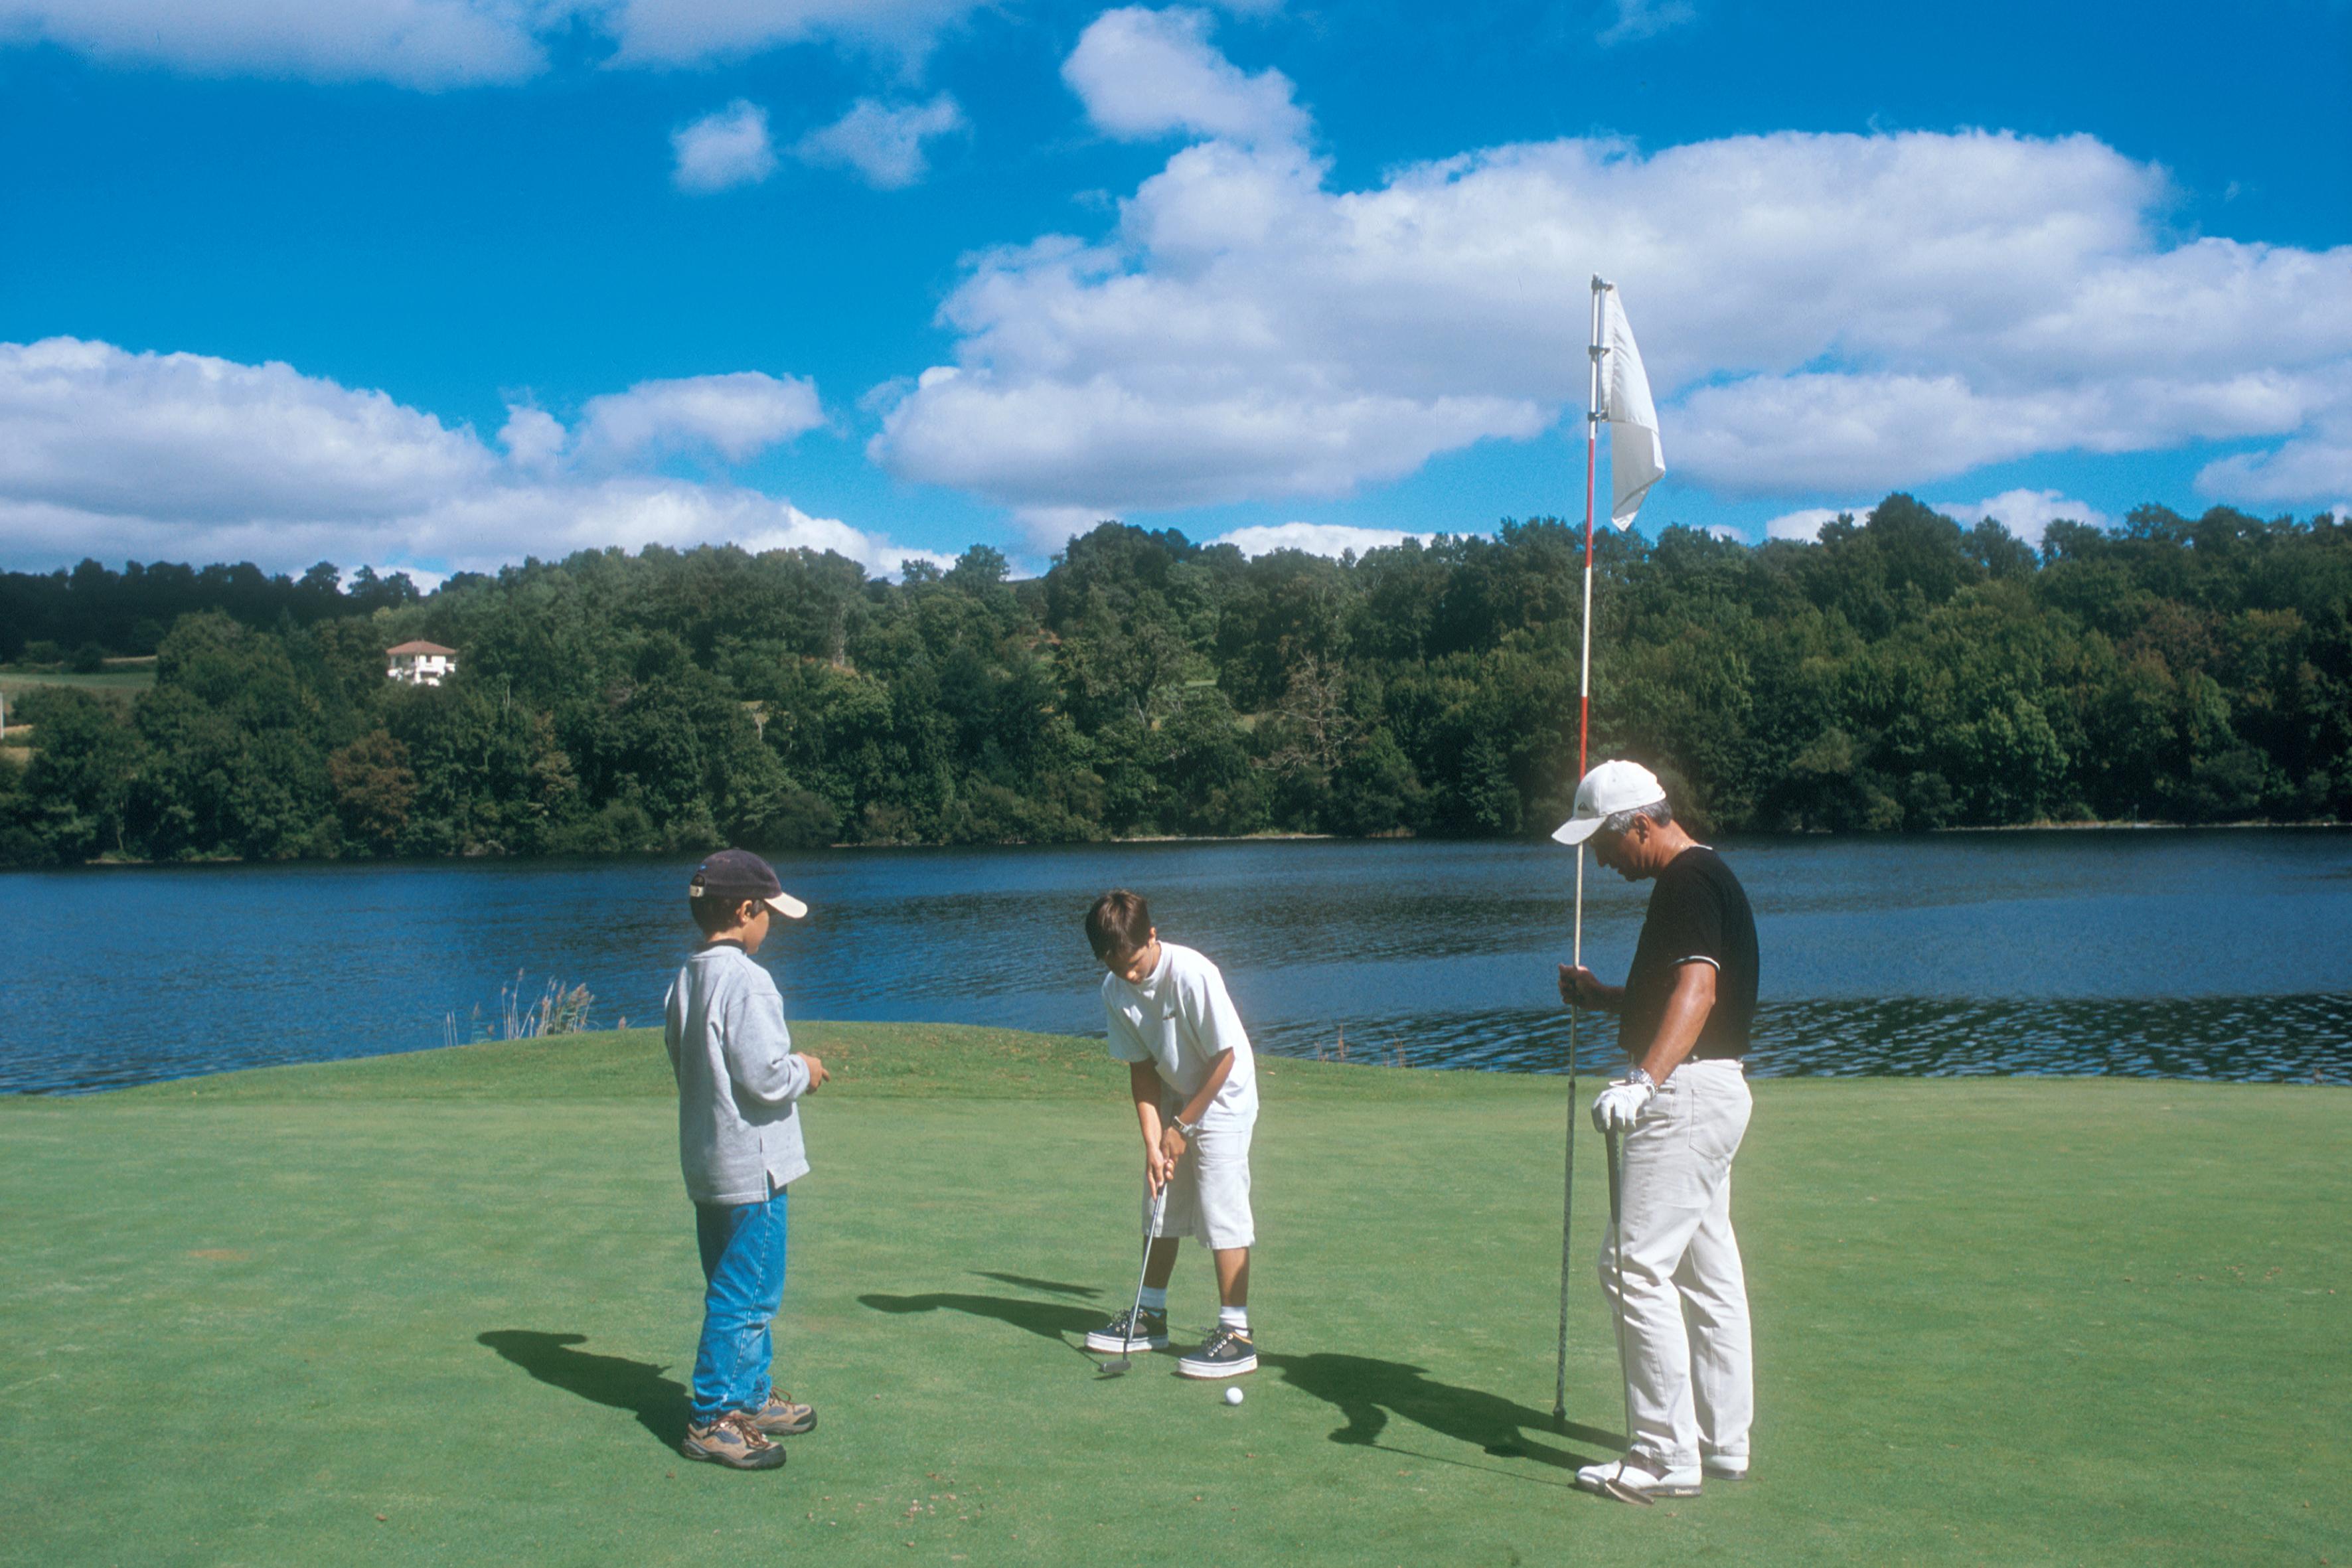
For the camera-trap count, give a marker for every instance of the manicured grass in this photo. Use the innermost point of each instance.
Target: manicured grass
(438, 1309)
(125, 682)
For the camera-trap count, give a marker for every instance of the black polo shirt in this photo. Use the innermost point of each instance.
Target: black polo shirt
(1696, 911)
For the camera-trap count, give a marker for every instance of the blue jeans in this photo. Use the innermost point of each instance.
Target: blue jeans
(744, 1262)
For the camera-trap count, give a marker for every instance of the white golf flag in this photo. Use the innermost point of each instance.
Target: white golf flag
(1636, 458)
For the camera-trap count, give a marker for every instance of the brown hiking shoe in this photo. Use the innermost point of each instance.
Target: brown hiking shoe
(780, 1417)
(734, 1440)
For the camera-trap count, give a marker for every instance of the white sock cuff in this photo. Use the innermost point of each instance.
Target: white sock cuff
(1234, 1318)
(1155, 1301)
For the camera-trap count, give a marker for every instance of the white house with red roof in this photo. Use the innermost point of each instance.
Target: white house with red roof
(421, 663)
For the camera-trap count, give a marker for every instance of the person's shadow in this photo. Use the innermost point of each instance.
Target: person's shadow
(1048, 1319)
(658, 1403)
(1030, 1282)
(1368, 1392)
(1364, 1389)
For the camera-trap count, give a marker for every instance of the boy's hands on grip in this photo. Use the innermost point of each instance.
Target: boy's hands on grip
(818, 1077)
(1159, 1158)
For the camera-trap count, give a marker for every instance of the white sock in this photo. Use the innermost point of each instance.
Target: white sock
(1155, 1301)
(1234, 1318)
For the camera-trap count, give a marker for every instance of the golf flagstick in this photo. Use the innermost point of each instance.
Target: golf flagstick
(1583, 735)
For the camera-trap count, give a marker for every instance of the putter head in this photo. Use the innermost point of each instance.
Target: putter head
(1118, 1368)
(1616, 1488)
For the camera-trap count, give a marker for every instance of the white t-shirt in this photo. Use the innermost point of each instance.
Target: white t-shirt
(1181, 1020)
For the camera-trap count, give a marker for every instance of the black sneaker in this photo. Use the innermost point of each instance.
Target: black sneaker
(1144, 1330)
(1229, 1353)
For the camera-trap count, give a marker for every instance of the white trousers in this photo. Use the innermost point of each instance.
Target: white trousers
(1688, 1371)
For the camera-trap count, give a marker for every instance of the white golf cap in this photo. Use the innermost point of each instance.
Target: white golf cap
(1607, 790)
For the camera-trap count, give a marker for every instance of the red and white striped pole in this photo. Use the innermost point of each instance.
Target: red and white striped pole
(1583, 743)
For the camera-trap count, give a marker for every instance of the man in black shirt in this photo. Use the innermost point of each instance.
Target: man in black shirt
(1684, 1012)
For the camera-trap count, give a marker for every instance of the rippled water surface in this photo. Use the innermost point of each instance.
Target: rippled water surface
(2220, 954)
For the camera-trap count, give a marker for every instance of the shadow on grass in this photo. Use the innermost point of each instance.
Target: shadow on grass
(1050, 1319)
(1026, 1282)
(1368, 1392)
(638, 1387)
(1364, 1389)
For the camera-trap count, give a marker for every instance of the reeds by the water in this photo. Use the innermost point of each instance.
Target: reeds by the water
(558, 1010)
(1396, 1050)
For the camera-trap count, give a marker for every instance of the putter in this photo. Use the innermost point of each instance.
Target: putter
(1126, 1357)
(1615, 1486)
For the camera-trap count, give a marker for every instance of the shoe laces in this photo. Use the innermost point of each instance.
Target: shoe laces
(746, 1425)
(1220, 1337)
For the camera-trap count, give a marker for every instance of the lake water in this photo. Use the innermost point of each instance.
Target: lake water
(2217, 954)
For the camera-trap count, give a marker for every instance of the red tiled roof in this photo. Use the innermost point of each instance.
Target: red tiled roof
(422, 647)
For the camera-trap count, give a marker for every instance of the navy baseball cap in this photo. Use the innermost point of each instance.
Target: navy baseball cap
(739, 874)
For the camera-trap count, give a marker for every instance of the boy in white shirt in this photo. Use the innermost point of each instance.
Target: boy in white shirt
(1194, 1083)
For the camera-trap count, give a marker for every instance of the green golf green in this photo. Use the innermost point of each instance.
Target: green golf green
(439, 1309)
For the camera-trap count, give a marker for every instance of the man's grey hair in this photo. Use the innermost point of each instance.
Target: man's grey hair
(1658, 811)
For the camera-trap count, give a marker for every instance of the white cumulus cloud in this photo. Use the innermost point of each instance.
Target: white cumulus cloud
(439, 43)
(1144, 73)
(533, 437)
(2316, 465)
(884, 143)
(1820, 314)
(89, 428)
(1332, 539)
(187, 458)
(737, 415)
(1807, 523)
(427, 44)
(2026, 513)
(730, 147)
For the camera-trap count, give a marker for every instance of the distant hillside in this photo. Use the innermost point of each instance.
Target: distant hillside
(1901, 673)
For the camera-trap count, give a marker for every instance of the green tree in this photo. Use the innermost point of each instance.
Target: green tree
(85, 762)
(374, 789)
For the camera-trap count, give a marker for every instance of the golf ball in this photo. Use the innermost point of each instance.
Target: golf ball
(1233, 1396)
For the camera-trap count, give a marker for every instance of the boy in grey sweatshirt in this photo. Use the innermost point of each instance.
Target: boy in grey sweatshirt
(738, 1141)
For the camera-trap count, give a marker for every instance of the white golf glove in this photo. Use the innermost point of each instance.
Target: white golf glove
(1618, 1107)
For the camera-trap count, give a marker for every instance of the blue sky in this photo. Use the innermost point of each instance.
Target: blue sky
(273, 281)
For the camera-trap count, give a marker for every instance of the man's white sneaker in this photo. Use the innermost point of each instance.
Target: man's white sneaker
(1632, 1477)
(1725, 1466)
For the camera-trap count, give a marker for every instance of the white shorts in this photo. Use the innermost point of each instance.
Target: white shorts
(1208, 1197)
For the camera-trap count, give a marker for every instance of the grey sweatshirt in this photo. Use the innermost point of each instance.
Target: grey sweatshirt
(739, 1131)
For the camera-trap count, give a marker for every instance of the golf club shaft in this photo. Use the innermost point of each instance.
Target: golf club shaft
(1150, 1235)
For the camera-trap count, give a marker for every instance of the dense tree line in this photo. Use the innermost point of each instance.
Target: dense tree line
(92, 610)
(1903, 673)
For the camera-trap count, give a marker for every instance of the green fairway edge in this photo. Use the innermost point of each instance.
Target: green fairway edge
(886, 1059)
(900, 1060)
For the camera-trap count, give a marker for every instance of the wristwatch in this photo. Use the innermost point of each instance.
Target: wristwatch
(1636, 1075)
(1184, 1130)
